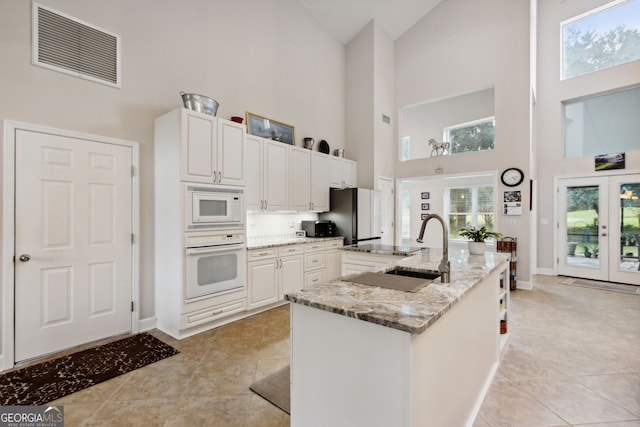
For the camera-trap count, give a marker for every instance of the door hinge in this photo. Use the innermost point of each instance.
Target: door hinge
(133, 239)
(133, 171)
(557, 260)
(132, 307)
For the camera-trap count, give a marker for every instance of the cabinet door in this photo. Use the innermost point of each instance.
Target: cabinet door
(253, 162)
(300, 190)
(198, 147)
(334, 265)
(262, 278)
(319, 182)
(230, 153)
(276, 175)
(336, 178)
(350, 173)
(314, 277)
(291, 273)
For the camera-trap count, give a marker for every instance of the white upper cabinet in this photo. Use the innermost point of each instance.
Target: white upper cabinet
(300, 193)
(267, 176)
(309, 181)
(212, 149)
(319, 182)
(231, 152)
(276, 175)
(254, 162)
(342, 173)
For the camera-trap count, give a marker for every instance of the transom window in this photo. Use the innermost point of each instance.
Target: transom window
(477, 135)
(601, 38)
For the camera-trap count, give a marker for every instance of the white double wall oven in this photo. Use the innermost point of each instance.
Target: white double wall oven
(215, 244)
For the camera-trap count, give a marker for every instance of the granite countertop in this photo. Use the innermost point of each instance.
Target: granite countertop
(380, 249)
(262, 244)
(411, 312)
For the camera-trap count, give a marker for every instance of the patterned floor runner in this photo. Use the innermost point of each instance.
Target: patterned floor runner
(47, 381)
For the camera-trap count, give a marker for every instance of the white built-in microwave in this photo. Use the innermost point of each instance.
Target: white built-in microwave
(208, 207)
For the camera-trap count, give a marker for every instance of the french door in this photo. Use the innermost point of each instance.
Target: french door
(599, 228)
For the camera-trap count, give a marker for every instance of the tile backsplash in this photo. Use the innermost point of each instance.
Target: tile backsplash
(267, 226)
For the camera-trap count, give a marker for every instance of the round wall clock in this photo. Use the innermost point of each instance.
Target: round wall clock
(512, 177)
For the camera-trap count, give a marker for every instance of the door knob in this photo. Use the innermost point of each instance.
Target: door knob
(24, 257)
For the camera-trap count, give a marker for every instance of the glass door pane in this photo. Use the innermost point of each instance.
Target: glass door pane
(625, 263)
(582, 226)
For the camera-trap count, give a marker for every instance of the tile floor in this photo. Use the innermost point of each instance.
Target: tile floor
(573, 359)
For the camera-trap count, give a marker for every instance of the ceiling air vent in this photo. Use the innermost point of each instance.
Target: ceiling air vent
(65, 44)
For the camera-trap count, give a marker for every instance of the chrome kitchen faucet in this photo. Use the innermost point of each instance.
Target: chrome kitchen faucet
(445, 266)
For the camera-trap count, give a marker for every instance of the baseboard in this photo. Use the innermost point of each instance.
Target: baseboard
(545, 271)
(147, 324)
(527, 286)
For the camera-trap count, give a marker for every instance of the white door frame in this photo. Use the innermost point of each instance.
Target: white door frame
(393, 203)
(556, 208)
(7, 351)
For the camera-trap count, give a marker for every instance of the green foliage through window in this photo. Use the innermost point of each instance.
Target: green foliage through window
(601, 40)
(470, 137)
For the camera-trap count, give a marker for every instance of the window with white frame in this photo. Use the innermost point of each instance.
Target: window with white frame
(478, 135)
(405, 214)
(470, 206)
(405, 148)
(600, 39)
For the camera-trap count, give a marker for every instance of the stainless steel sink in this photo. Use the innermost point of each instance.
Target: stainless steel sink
(424, 274)
(398, 278)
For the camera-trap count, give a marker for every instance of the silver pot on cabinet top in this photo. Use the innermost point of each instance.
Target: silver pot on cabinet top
(308, 143)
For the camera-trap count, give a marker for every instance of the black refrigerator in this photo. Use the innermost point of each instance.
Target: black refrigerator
(356, 214)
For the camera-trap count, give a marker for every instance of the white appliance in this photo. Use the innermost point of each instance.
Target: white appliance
(215, 263)
(213, 207)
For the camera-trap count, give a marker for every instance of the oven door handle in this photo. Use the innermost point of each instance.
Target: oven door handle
(213, 249)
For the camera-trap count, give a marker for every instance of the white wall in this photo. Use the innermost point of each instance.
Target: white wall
(425, 121)
(269, 57)
(550, 95)
(460, 47)
(360, 103)
(370, 94)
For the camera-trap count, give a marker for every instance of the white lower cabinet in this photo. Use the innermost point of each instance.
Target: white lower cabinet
(273, 272)
(333, 259)
(216, 312)
(314, 263)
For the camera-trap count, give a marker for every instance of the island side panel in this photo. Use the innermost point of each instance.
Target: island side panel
(459, 354)
(347, 372)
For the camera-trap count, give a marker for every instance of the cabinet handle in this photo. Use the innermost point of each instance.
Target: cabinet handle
(215, 176)
(265, 205)
(263, 253)
(219, 177)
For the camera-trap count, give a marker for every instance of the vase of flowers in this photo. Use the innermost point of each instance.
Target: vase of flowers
(477, 238)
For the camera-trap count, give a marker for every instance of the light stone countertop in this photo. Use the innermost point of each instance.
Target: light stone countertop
(380, 249)
(263, 244)
(412, 312)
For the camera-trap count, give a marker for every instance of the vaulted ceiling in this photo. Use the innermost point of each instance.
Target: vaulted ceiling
(345, 18)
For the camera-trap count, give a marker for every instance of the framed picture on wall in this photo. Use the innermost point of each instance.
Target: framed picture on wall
(425, 206)
(424, 195)
(270, 129)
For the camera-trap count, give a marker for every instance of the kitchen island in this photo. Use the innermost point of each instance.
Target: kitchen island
(369, 356)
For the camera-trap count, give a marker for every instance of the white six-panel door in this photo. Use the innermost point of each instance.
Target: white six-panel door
(73, 225)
